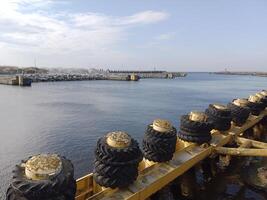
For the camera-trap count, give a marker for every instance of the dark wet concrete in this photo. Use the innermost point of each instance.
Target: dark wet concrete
(231, 185)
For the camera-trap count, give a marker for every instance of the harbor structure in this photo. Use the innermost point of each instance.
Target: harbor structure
(205, 142)
(18, 80)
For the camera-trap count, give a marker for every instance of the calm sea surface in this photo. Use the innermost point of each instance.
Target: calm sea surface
(69, 117)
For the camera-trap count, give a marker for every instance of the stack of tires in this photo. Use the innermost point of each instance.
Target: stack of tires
(264, 93)
(263, 98)
(59, 186)
(239, 111)
(117, 157)
(159, 141)
(195, 129)
(220, 116)
(255, 105)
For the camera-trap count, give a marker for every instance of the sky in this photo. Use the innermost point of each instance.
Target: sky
(174, 35)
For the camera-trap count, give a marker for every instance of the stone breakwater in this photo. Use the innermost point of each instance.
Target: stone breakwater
(264, 74)
(77, 77)
(27, 79)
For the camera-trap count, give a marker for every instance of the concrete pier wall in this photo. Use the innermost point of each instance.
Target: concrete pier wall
(15, 80)
(8, 80)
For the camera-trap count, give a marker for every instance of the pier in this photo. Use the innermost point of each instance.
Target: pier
(148, 74)
(205, 144)
(19, 80)
(263, 74)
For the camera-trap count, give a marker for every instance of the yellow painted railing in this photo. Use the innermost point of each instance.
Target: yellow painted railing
(154, 176)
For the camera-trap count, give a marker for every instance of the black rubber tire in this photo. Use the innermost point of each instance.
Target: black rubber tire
(193, 126)
(113, 175)
(11, 194)
(151, 132)
(264, 101)
(264, 121)
(116, 167)
(218, 112)
(256, 108)
(239, 114)
(221, 119)
(159, 149)
(43, 189)
(157, 146)
(200, 138)
(119, 156)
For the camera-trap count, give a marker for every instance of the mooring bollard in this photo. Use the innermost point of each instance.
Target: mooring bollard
(159, 141)
(117, 159)
(239, 111)
(220, 116)
(195, 128)
(44, 176)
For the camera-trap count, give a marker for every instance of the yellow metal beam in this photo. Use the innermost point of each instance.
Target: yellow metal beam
(241, 151)
(254, 143)
(156, 175)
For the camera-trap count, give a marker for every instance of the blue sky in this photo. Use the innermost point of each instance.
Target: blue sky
(189, 35)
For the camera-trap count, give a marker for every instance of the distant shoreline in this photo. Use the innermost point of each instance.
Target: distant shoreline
(262, 74)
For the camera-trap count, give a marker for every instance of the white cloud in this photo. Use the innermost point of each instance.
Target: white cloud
(165, 36)
(100, 20)
(27, 27)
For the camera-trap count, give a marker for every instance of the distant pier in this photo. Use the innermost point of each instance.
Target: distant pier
(18, 80)
(264, 74)
(26, 79)
(149, 74)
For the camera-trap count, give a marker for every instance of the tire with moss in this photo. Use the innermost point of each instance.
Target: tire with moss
(239, 114)
(255, 107)
(159, 147)
(195, 126)
(114, 175)
(221, 119)
(42, 189)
